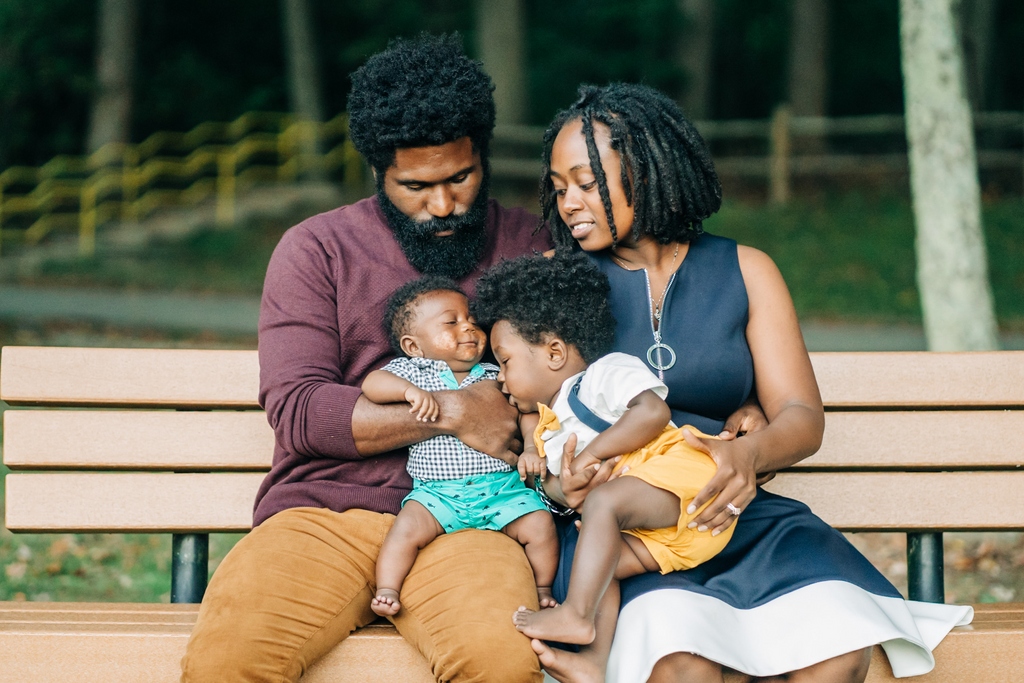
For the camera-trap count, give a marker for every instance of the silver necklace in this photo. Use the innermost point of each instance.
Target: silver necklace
(655, 353)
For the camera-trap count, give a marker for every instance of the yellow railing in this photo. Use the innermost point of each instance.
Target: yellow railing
(129, 182)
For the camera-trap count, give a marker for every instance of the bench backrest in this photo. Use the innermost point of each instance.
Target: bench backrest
(159, 440)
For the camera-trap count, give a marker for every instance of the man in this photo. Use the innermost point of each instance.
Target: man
(422, 114)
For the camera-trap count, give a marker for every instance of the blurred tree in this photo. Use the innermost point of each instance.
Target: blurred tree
(808, 57)
(111, 117)
(695, 54)
(47, 59)
(977, 29)
(304, 91)
(952, 268)
(501, 44)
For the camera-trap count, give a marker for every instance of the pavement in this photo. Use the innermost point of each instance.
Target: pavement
(238, 315)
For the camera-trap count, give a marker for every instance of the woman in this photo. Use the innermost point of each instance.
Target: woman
(629, 181)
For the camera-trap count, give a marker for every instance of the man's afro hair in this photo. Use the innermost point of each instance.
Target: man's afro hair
(399, 313)
(565, 296)
(419, 93)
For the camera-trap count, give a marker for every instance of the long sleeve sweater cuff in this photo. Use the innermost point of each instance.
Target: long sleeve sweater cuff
(330, 421)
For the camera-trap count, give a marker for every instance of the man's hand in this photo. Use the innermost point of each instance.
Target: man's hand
(481, 417)
(423, 403)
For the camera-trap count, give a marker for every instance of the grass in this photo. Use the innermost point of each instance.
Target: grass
(846, 258)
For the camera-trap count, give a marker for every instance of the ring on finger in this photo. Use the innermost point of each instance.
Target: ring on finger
(733, 510)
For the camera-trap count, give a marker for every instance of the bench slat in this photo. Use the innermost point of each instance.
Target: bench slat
(909, 501)
(100, 439)
(921, 440)
(242, 440)
(163, 502)
(90, 502)
(122, 377)
(872, 379)
(180, 377)
(101, 651)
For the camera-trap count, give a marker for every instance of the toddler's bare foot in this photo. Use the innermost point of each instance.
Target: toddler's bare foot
(545, 598)
(559, 624)
(567, 667)
(385, 603)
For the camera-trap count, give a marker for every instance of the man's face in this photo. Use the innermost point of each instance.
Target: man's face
(435, 201)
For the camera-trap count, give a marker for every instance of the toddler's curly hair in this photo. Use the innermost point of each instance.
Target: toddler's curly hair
(565, 296)
(399, 312)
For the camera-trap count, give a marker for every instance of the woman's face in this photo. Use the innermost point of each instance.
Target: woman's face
(579, 202)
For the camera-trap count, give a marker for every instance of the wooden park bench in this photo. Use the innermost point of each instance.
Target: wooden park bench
(918, 443)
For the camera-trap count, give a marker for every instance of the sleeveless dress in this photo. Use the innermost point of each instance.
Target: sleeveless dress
(788, 591)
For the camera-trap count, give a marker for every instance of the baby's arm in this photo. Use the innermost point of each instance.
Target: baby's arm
(531, 463)
(381, 386)
(645, 418)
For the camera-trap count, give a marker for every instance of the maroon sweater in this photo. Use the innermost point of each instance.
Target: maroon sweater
(321, 333)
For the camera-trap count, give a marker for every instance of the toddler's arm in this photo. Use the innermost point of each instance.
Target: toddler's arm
(381, 386)
(645, 418)
(531, 462)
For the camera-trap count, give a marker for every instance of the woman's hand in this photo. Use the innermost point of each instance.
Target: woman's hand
(735, 483)
(575, 487)
(747, 419)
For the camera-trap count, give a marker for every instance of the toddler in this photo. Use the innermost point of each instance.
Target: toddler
(551, 331)
(454, 486)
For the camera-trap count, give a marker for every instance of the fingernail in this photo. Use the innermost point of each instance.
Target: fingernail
(715, 532)
(702, 528)
(691, 525)
(618, 458)
(691, 508)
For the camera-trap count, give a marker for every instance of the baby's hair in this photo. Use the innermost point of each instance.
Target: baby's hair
(565, 297)
(399, 313)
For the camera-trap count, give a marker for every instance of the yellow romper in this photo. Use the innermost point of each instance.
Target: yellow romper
(667, 463)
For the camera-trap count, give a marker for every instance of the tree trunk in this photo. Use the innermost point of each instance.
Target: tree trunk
(808, 65)
(111, 118)
(977, 28)
(501, 39)
(952, 269)
(304, 96)
(695, 55)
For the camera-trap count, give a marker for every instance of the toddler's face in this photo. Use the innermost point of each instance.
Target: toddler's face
(525, 374)
(444, 330)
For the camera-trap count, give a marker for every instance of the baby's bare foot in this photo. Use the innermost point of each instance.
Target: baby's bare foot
(385, 603)
(545, 598)
(559, 624)
(567, 667)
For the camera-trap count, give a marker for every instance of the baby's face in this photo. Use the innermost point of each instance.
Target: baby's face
(525, 374)
(443, 329)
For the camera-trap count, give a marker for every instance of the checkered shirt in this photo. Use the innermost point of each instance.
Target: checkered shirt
(444, 457)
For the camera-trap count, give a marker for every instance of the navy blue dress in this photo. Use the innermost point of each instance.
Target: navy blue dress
(787, 591)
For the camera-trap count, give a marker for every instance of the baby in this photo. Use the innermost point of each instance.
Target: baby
(551, 330)
(454, 486)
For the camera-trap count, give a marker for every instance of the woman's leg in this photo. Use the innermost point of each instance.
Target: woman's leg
(683, 667)
(849, 668)
(413, 529)
(536, 533)
(625, 503)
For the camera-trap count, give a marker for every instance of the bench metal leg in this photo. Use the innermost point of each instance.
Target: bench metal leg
(190, 561)
(925, 568)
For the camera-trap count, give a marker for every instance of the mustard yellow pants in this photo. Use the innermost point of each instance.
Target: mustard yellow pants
(302, 581)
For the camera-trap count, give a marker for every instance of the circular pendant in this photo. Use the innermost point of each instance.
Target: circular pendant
(655, 351)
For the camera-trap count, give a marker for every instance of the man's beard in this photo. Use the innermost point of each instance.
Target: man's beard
(454, 256)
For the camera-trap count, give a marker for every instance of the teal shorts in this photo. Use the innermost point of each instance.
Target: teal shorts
(484, 501)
